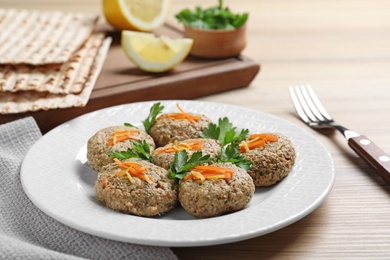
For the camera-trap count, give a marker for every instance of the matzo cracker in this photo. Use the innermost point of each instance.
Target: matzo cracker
(32, 101)
(42, 37)
(66, 78)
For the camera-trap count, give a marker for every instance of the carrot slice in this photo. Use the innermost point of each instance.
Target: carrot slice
(122, 135)
(257, 141)
(191, 146)
(208, 173)
(270, 138)
(131, 169)
(181, 116)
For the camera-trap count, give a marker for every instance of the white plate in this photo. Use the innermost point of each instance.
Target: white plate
(56, 178)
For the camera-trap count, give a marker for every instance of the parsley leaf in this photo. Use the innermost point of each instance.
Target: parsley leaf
(141, 150)
(181, 164)
(231, 153)
(217, 17)
(128, 124)
(155, 110)
(224, 132)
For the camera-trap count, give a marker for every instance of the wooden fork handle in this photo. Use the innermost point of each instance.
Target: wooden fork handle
(372, 154)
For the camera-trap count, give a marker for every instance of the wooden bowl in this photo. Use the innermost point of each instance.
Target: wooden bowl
(216, 43)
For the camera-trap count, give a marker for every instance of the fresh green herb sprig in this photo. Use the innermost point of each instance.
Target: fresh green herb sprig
(140, 150)
(212, 18)
(181, 164)
(128, 124)
(224, 132)
(155, 110)
(231, 153)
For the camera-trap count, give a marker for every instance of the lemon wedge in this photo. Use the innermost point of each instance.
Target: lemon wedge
(139, 15)
(154, 54)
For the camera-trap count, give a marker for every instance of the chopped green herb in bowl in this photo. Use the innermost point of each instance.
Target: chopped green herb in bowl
(213, 18)
(217, 31)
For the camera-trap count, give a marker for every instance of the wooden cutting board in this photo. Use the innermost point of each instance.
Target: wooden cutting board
(121, 82)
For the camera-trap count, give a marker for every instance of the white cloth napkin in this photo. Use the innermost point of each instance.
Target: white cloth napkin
(28, 233)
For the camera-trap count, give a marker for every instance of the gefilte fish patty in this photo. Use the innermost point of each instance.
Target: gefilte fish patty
(168, 130)
(98, 150)
(271, 162)
(142, 198)
(211, 198)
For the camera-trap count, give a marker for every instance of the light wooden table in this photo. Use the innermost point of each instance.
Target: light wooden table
(341, 48)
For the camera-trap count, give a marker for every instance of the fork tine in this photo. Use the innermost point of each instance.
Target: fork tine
(304, 106)
(318, 103)
(298, 106)
(310, 102)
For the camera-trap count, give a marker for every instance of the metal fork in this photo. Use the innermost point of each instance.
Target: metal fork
(313, 113)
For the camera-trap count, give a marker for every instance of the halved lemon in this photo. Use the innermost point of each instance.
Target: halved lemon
(139, 15)
(154, 54)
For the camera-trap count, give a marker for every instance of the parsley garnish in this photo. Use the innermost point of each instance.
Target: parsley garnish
(128, 124)
(231, 153)
(224, 132)
(181, 164)
(217, 17)
(140, 150)
(155, 110)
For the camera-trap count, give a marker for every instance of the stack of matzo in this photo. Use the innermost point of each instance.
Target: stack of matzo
(48, 59)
